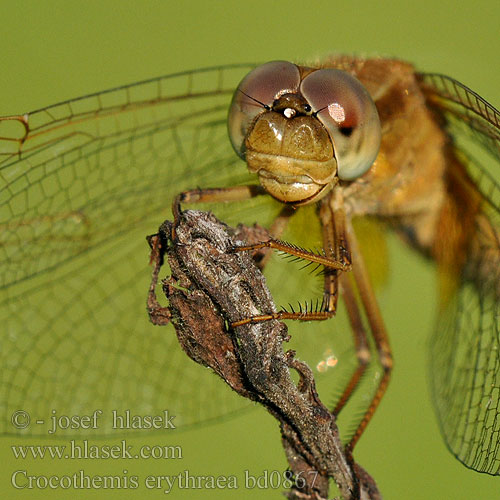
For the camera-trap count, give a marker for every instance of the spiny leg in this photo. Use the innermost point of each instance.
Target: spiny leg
(335, 258)
(309, 314)
(238, 193)
(301, 253)
(377, 329)
(360, 341)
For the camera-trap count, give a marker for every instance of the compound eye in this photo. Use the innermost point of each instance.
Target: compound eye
(255, 94)
(349, 114)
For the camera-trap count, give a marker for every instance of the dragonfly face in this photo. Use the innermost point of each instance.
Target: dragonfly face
(82, 183)
(301, 129)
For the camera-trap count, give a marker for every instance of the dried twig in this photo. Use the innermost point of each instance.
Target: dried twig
(209, 289)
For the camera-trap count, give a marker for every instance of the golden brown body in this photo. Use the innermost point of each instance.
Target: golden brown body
(388, 154)
(406, 182)
(417, 181)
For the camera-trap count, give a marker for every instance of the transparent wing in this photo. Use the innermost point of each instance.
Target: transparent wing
(465, 347)
(72, 174)
(475, 126)
(81, 185)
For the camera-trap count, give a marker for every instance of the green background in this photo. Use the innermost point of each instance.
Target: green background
(52, 51)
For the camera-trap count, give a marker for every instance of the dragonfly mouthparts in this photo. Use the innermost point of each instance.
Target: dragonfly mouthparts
(286, 179)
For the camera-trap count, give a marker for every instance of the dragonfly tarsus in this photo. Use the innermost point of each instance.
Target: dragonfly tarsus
(158, 314)
(301, 253)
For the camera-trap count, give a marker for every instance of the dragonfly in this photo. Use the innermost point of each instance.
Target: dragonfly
(83, 181)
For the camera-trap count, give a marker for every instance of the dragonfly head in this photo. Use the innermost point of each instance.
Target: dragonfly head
(301, 130)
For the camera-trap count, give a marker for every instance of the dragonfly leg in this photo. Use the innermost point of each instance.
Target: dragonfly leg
(319, 313)
(335, 241)
(158, 314)
(377, 329)
(231, 194)
(335, 246)
(257, 234)
(360, 341)
(334, 258)
(282, 246)
(214, 195)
